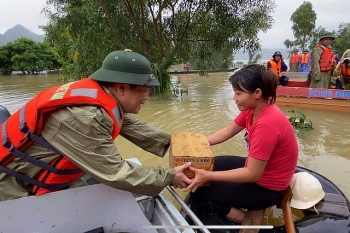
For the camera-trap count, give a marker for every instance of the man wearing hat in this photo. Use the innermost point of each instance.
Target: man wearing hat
(305, 61)
(322, 62)
(69, 130)
(294, 61)
(279, 67)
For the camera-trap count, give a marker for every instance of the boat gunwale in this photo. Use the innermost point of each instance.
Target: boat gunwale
(296, 96)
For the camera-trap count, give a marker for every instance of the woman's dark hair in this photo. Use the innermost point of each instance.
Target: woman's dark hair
(254, 76)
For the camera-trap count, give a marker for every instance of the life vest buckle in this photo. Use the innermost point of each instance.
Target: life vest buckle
(7, 144)
(24, 128)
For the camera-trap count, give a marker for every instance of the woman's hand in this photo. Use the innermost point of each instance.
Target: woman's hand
(201, 177)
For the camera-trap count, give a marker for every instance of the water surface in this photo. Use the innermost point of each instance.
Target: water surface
(209, 107)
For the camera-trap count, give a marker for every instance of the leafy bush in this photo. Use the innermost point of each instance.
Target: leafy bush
(298, 120)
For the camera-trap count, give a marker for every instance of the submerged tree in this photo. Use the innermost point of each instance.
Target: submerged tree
(28, 56)
(252, 48)
(166, 32)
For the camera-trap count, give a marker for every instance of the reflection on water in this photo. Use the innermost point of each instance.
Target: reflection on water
(208, 107)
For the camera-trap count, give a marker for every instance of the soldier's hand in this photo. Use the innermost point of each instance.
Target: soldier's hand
(181, 180)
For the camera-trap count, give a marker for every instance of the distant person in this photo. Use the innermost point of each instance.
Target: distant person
(322, 62)
(305, 61)
(294, 61)
(342, 72)
(279, 67)
(284, 67)
(187, 66)
(336, 57)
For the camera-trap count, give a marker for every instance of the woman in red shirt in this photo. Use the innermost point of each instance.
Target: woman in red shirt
(258, 180)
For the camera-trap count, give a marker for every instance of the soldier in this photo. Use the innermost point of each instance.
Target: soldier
(68, 130)
(322, 62)
(294, 61)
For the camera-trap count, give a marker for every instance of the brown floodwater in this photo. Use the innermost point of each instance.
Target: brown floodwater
(208, 106)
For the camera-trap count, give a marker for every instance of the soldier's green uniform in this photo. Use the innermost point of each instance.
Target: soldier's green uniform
(83, 134)
(294, 67)
(319, 79)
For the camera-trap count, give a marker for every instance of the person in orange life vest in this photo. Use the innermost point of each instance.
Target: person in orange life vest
(294, 61)
(305, 61)
(279, 67)
(342, 72)
(68, 130)
(322, 62)
(258, 180)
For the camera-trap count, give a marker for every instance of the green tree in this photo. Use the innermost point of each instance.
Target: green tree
(32, 57)
(252, 48)
(165, 32)
(6, 64)
(257, 58)
(316, 35)
(303, 19)
(342, 40)
(203, 58)
(28, 56)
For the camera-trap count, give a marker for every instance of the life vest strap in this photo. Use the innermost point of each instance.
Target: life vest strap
(14, 151)
(35, 182)
(24, 129)
(40, 140)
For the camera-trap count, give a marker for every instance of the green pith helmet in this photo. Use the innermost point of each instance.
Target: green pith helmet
(295, 50)
(125, 66)
(277, 53)
(327, 35)
(306, 50)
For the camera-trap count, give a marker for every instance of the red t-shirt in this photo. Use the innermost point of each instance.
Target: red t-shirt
(271, 138)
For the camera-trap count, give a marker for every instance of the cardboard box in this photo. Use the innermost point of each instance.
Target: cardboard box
(191, 147)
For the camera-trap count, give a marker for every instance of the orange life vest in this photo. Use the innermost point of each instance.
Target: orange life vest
(24, 127)
(326, 59)
(276, 66)
(345, 70)
(304, 58)
(295, 58)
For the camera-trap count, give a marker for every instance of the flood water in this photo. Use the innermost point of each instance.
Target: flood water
(208, 107)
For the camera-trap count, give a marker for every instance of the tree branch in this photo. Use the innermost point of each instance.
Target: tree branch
(113, 25)
(133, 17)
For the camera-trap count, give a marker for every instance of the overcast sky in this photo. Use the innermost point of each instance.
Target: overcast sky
(329, 15)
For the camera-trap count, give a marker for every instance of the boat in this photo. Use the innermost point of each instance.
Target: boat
(95, 208)
(298, 93)
(199, 71)
(330, 215)
(98, 208)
